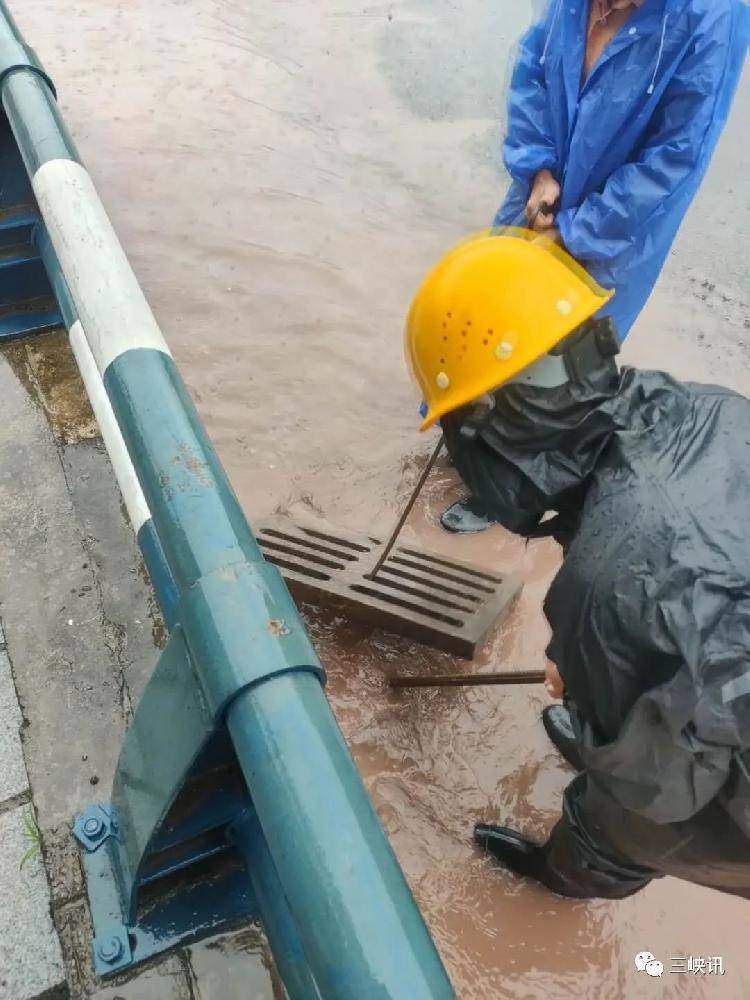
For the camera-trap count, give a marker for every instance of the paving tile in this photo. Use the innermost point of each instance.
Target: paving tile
(232, 967)
(165, 981)
(31, 964)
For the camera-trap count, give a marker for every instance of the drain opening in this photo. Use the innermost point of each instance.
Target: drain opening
(422, 594)
(470, 572)
(408, 605)
(283, 563)
(269, 533)
(427, 581)
(337, 541)
(464, 581)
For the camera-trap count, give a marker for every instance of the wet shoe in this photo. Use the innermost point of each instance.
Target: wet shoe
(556, 721)
(467, 517)
(522, 856)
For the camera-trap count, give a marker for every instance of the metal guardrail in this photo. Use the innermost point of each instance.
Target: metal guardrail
(233, 751)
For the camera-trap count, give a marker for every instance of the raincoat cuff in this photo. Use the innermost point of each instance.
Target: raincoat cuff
(564, 222)
(525, 173)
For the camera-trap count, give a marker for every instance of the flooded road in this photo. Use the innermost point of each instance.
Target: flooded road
(282, 174)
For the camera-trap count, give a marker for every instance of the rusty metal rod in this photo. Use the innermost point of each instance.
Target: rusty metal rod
(469, 680)
(407, 510)
(547, 209)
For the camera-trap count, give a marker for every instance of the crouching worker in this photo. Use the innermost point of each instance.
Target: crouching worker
(644, 481)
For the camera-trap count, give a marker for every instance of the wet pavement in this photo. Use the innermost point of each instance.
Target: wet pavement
(282, 175)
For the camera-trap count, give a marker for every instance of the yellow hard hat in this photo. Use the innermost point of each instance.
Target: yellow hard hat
(493, 306)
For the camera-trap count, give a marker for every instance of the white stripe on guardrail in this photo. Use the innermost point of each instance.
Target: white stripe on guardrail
(132, 494)
(109, 301)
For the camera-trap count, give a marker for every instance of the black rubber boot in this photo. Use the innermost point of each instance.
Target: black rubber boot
(466, 517)
(566, 864)
(511, 849)
(556, 721)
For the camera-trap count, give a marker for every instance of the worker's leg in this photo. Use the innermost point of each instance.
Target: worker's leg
(469, 515)
(576, 861)
(499, 492)
(581, 862)
(711, 848)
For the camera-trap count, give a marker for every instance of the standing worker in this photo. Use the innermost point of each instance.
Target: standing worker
(614, 112)
(650, 611)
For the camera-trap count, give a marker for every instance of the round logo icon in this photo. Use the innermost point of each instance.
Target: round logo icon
(642, 959)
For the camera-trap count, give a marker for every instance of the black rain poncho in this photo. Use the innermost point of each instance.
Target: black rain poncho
(650, 611)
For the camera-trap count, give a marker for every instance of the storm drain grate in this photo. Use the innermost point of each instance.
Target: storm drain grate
(422, 595)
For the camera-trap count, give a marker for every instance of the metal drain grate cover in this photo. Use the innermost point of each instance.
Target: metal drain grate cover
(422, 595)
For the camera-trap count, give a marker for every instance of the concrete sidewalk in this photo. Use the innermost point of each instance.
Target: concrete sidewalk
(83, 634)
(30, 959)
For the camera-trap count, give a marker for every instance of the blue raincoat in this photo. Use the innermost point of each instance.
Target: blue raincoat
(629, 147)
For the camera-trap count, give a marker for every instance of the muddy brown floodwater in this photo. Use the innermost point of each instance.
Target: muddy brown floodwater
(282, 174)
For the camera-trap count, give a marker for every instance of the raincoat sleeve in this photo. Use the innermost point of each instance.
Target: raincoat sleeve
(660, 180)
(530, 144)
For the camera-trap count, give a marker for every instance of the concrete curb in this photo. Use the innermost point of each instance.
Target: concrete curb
(14, 782)
(31, 965)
